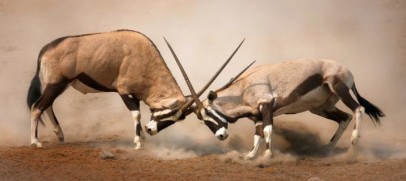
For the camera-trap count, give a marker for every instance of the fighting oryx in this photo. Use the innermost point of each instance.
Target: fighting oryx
(290, 87)
(123, 61)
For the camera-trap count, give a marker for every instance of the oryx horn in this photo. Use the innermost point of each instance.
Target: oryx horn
(189, 84)
(194, 95)
(236, 77)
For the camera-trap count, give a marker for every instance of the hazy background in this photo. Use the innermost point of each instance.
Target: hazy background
(368, 36)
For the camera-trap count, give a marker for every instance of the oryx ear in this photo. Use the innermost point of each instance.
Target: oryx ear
(212, 95)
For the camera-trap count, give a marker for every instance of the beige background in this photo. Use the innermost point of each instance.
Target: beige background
(368, 36)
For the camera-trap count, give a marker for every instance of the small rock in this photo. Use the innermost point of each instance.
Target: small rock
(314, 179)
(107, 155)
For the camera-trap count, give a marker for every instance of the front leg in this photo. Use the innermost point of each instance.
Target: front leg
(133, 104)
(258, 139)
(267, 117)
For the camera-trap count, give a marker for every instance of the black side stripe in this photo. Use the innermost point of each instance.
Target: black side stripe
(87, 80)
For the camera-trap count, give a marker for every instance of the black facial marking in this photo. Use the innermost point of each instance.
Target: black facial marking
(213, 127)
(163, 124)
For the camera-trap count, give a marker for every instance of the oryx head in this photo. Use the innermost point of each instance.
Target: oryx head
(212, 118)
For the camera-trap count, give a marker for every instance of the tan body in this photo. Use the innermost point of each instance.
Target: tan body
(122, 61)
(266, 91)
(280, 82)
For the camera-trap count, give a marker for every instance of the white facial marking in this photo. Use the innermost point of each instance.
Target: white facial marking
(222, 132)
(152, 125)
(217, 115)
(174, 117)
(207, 118)
(163, 112)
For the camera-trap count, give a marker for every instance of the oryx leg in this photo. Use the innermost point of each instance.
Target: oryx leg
(342, 118)
(51, 92)
(133, 104)
(57, 127)
(258, 139)
(344, 93)
(267, 117)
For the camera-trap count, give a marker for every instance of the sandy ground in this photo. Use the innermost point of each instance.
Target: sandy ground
(83, 161)
(91, 161)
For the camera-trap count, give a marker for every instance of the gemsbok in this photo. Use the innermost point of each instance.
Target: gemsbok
(291, 87)
(122, 61)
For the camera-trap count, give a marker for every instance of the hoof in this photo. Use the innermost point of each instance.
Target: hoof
(61, 139)
(36, 145)
(354, 141)
(249, 156)
(268, 154)
(137, 146)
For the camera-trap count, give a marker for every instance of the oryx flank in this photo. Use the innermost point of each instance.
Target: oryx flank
(123, 61)
(290, 87)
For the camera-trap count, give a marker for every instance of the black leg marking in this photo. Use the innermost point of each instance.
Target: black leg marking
(344, 93)
(133, 104)
(267, 118)
(51, 92)
(341, 117)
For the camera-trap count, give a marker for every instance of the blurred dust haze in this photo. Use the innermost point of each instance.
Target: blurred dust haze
(368, 36)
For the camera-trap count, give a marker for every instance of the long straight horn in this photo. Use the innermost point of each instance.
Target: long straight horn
(236, 77)
(219, 71)
(189, 84)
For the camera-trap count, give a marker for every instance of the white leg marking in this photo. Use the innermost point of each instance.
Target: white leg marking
(34, 126)
(358, 118)
(136, 117)
(257, 143)
(268, 140)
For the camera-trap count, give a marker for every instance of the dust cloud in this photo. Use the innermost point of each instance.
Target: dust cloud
(366, 36)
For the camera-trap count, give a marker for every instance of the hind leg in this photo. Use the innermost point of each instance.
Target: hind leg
(133, 104)
(344, 93)
(57, 128)
(342, 118)
(44, 101)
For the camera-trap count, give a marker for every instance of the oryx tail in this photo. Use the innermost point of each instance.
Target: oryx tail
(373, 112)
(34, 92)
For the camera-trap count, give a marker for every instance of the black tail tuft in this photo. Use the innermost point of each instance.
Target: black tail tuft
(34, 92)
(373, 112)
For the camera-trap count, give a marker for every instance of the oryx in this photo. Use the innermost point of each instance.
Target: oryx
(290, 87)
(122, 61)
